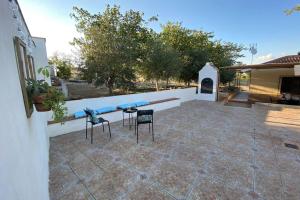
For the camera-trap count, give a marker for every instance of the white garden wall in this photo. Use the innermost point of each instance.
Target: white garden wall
(94, 103)
(24, 148)
(78, 105)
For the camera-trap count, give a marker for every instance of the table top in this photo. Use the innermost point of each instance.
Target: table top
(130, 110)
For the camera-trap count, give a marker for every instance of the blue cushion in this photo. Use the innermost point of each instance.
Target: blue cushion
(133, 104)
(79, 114)
(105, 109)
(141, 103)
(126, 105)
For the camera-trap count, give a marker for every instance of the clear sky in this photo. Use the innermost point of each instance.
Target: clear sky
(241, 21)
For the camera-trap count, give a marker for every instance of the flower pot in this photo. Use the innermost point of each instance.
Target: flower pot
(39, 99)
(41, 108)
(38, 102)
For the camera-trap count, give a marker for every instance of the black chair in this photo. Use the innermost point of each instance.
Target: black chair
(94, 120)
(143, 117)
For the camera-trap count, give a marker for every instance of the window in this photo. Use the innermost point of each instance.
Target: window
(25, 72)
(207, 86)
(31, 67)
(290, 85)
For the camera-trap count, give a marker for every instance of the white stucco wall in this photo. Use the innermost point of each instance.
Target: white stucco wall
(40, 56)
(23, 142)
(94, 103)
(208, 71)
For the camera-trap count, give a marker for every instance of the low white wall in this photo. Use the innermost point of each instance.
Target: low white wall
(94, 103)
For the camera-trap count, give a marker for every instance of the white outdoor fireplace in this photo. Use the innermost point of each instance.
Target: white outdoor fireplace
(208, 83)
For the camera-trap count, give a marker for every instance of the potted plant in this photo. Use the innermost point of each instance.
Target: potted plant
(37, 90)
(55, 101)
(46, 97)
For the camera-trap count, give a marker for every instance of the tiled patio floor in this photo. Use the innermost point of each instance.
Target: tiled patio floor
(201, 151)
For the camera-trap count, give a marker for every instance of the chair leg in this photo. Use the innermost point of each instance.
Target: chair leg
(123, 118)
(130, 120)
(149, 127)
(137, 133)
(92, 135)
(103, 126)
(152, 132)
(109, 129)
(86, 130)
(134, 127)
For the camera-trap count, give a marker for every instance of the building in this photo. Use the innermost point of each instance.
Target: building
(24, 143)
(268, 81)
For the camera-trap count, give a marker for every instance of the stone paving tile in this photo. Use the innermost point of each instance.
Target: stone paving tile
(84, 167)
(268, 184)
(210, 188)
(143, 159)
(61, 181)
(202, 150)
(101, 158)
(77, 192)
(174, 177)
(291, 188)
(113, 183)
(145, 192)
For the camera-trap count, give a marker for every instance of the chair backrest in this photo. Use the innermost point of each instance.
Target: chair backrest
(91, 114)
(144, 112)
(87, 112)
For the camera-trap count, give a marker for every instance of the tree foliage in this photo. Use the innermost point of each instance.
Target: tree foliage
(63, 65)
(161, 61)
(296, 8)
(111, 44)
(198, 47)
(117, 46)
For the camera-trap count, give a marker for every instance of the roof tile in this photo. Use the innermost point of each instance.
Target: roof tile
(292, 59)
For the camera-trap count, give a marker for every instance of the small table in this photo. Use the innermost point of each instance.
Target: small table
(130, 111)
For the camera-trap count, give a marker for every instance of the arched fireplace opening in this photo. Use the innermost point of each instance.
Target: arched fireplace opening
(207, 86)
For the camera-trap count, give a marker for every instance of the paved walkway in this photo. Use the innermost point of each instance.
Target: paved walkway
(241, 97)
(202, 150)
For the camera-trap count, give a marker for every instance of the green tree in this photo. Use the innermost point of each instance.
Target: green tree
(63, 65)
(161, 61)
(223, 55)
(111, 44)
(191, 45)
(226, 76)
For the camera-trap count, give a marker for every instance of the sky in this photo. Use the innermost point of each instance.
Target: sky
(240, 21)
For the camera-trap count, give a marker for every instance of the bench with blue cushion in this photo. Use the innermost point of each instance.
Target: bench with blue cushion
(141, 103)
(133, 104)
(79, 114)
(98, 111)
(105, 110)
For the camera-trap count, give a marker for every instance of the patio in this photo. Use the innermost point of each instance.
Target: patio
(202, 150)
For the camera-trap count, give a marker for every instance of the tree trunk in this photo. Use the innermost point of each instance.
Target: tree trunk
(156, 85)
(110, 90)
(110, 84)
(167, 83)
(189, 83)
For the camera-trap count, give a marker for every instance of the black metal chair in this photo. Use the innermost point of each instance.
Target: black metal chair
(94, 120)
(143, 117)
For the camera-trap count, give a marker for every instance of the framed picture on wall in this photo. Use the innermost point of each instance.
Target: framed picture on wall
(25, 72)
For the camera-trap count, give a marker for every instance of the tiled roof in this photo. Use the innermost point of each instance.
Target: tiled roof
(293, 59)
